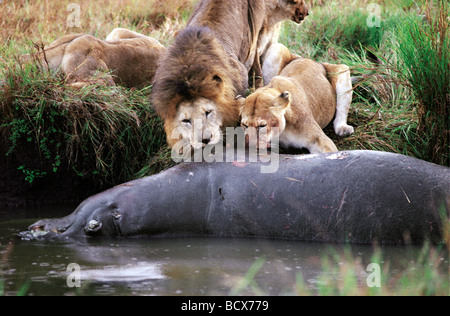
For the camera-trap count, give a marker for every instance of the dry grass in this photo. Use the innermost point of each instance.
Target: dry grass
(44, 20)
(106, 134)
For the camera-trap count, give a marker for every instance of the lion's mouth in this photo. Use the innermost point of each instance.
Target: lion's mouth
(298, 18)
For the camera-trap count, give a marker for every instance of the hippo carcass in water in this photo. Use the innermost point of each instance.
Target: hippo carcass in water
(356, 197)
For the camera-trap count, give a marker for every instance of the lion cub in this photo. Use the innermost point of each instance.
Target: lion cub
(295, 106)
(127, 58)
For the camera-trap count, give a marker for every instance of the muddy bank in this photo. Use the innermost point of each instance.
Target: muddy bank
(64, 186)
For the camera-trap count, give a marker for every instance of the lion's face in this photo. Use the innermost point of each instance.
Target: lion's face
(198, 123)
(263, 116)
(296, 10)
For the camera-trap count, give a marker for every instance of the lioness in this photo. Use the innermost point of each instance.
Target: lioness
(277, 11)
(278, 57)
(295, 106)
(130, 61)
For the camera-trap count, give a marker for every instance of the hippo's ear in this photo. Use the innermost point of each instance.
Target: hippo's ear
(283, 101)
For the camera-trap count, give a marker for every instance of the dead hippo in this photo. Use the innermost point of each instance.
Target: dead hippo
(355, 197)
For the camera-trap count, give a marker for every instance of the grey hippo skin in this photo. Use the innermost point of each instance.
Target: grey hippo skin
(355, 197)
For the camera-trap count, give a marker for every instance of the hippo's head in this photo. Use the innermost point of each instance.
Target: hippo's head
(102, 220)
(141, 207)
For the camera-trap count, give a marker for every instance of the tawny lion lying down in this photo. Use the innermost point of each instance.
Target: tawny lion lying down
(298, 103)
(125, 57)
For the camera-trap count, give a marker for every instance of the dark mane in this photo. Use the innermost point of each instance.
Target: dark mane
(196, 66)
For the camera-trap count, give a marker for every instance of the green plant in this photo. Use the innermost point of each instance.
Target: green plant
(423, 65)
(248, 281)
(336, 28)
(31, 175)
(343, 273)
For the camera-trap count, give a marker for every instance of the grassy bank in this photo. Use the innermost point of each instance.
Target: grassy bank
(100, 133)
(112, 135)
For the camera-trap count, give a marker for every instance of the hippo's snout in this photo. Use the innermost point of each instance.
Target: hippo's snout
(46, 229)
(34, 232)
(51, 226)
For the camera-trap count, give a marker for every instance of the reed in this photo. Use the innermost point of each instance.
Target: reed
(423, 65)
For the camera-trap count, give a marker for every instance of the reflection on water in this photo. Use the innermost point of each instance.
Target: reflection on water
(184, 266)
(140, 272)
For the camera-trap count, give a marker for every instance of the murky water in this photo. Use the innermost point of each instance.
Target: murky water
(184, 266)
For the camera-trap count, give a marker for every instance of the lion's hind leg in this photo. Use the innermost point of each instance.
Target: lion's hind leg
(275, 59)
(340, 78)
(309, 136)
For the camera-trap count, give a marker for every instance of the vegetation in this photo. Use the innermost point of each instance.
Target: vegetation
(423, 47)
(98, 132)
(344, 274)
(112, 135)
(403, 105)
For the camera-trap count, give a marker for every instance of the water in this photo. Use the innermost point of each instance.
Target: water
(183, 266)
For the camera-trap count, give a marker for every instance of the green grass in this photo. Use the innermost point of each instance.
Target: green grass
(21, 292)
(334, 28)
(423, 48)
(102, 133)
(344, 274)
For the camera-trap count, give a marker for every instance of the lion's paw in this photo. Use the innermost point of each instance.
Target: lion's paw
(344, 130)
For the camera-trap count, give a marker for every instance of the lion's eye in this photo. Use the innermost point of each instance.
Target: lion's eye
(261, 127)
(208, 113)
(186, 121)
(244, 126)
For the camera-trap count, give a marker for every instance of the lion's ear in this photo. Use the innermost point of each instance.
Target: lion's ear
(217, 79)
(283, 101)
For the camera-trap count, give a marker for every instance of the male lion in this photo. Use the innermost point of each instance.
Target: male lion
(196, 87)
(126, 58)
(295, 106)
